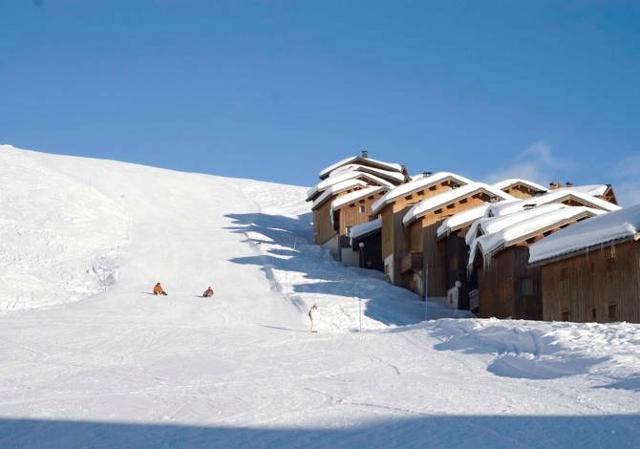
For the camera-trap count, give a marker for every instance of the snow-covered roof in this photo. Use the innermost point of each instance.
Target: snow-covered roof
(490, 244)
(420, 182)
(589, 189)
(489, 225)
(444, 198)
(393, 176)
(362, 161)
(507, 183)
(461, 219)
(364, 229)
(323, 185)
(553, 196)
(355, 196)
(615, 226)
(335, 189)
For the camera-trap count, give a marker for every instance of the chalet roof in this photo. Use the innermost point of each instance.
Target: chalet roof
(461, 219)
(355, 196)
(391, 176)
(506, 183)
(335, 189)
(364, 229)
(553, 196)
(313, 192)
(491, 244)
(450, 196)
(490, 225)
(621, 225)
(589, 189)
(418, 183)
(361, 161)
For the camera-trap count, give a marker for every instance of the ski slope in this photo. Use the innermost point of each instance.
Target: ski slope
(89, 358)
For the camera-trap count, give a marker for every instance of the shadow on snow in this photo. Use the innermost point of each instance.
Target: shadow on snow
(295, 252)
(462, 432)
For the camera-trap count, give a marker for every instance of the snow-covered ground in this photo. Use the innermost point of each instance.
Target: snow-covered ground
(99, 362)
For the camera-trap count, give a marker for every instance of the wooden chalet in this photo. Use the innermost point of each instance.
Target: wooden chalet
(393, 206)
(424, 259)
(602, 191)
(567, 196)
(507, 287)
(520, 188)
(590, 272)
(365, 161)
(366, 246)
(451, 236)
(350, 210)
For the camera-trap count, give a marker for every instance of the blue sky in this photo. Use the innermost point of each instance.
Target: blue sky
(277, 90)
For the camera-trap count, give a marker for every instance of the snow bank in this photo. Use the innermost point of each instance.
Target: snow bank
(60, 239)
(614, 226)
(539, 350)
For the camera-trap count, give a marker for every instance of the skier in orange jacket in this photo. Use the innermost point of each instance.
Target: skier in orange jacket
(158, 290)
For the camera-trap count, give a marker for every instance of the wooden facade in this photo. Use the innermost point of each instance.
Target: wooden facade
(601, 285)
(394, 239)
(522, 191)
(322, 225)
(508, 287)
(354, 213)
(422, 236)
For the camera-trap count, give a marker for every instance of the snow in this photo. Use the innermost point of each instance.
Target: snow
(553, 196)
(418, 183)
(623, 224)
(364, 229)
(449, 196)
(506, 183)
(122, 368)
(342, 177)
(490, 225)
(335, 189)
(589, 189)
(491, 243)
(461, 219)
(386, 174)
(389, 166)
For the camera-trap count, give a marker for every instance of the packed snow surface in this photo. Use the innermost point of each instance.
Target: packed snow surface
(623, 224)
(119, 367)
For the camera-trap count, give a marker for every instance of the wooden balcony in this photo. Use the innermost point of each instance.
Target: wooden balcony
(411, 262)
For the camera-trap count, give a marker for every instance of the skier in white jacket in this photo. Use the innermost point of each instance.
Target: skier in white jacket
(313, 313)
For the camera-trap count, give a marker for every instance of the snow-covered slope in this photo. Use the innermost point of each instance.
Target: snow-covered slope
(123, 368)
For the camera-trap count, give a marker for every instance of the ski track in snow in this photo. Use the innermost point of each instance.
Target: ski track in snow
(92, 359)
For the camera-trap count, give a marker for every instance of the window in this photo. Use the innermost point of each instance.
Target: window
(362, 209)
(565, 315)
(612, 312)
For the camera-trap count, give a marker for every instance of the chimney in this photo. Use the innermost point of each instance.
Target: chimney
(553, 185)
(569, 184)
(427, 173)
(365, 154)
